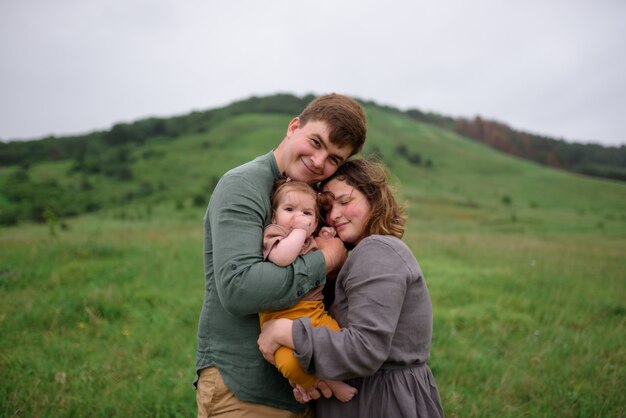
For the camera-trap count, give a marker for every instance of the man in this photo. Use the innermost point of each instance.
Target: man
(233, 378)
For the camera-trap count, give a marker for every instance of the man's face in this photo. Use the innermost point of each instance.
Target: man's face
(309, 155)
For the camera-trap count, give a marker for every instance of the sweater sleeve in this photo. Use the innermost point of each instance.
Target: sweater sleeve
(375, 283)
(245, 283)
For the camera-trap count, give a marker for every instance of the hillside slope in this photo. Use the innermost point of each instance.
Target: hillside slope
(433, 164)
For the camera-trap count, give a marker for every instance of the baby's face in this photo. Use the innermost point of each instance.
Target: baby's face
(297, 210)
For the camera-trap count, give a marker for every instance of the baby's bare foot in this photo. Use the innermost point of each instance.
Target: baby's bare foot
(342, 391)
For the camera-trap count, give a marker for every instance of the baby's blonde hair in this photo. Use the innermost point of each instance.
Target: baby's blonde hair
(284, 185)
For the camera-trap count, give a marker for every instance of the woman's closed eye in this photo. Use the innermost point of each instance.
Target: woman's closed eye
(344, 200)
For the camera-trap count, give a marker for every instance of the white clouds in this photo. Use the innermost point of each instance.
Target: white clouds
(548, 67)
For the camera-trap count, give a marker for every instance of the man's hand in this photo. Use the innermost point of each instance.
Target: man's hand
(335, 253)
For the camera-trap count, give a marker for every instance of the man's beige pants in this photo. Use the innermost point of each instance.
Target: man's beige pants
(216, 400)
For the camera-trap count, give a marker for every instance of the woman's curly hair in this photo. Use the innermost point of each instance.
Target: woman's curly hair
(370, 177)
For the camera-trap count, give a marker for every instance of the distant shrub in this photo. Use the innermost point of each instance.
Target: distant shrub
(71, 211)
(128, 197)
(148, 154)
(123, 173)
(51, 218)
(85, 185)
(9, 216)
(123, 133)
(413, 158)
(92, 206)
(199, 200)
(145, 189)
(506, 200)
(402, 150)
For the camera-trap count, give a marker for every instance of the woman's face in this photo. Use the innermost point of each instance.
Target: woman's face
(349, 211)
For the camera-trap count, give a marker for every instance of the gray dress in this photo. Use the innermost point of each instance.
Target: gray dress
(384, 308)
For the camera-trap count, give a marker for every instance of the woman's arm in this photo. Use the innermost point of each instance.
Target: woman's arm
(375, 283)
(275, 333)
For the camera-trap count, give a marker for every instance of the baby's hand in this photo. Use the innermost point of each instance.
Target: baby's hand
(302, 222)
(327, 232)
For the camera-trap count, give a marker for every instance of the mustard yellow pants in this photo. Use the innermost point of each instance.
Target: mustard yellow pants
(286, 361)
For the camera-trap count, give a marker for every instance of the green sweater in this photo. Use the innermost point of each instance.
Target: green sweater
(239, 284)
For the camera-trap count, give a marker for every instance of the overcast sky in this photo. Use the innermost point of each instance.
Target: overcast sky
(553, 67)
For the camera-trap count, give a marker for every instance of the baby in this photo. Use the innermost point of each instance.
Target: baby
(295, 214)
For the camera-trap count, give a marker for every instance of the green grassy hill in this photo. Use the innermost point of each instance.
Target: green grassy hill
(525, 265)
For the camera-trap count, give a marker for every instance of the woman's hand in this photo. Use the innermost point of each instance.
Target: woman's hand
(275, 333)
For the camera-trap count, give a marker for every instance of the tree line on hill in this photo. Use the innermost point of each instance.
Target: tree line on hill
(590, 159)
(81, 147)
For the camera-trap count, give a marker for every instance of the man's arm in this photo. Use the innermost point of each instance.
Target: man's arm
(245, 283)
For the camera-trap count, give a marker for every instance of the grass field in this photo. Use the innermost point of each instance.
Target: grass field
(525, 266)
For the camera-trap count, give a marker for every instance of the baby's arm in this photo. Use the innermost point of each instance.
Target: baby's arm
(287, 249)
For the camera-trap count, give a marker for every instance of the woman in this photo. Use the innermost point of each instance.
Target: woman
(381, 302)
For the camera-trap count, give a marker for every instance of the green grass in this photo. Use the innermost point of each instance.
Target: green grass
(100, 320)
(527, 326)
(525, 266)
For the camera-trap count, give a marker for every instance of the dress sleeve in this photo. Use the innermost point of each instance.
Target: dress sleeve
(375, 284)
(244, 282)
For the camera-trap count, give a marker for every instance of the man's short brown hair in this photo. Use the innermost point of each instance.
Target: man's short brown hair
(344, 116)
